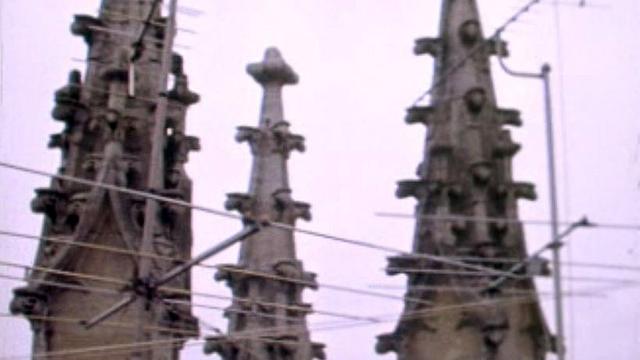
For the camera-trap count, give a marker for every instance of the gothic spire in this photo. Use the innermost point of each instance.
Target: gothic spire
(268, 281)
(108, 119)
(465, 174)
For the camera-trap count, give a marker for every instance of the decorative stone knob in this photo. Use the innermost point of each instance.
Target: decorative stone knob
(273, 69)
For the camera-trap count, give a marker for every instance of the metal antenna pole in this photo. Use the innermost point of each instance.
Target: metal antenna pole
(553, 197)
(156, 168)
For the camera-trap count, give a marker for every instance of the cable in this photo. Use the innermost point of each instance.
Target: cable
(101, 350)
(256, 334)
(294, 280)
(120, 324)
(614, 226)
(520, 277)
(112, 249)
(150, 195)
(505, 260)
(113, 280)
(66, 273)
(226, 268)
(81, 288)
(187, 292)
(477, 289)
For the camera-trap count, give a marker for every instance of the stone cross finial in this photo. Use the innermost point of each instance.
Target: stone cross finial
(272, 69)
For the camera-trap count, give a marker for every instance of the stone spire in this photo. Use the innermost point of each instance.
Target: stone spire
(108, 120)
(267, 317)
(466, 172)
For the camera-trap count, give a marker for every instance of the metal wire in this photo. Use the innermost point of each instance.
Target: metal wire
(149, 195)
(108, 291)
(120, 324)
(257, 334)
(619, 226)
(186, 292)
(265, 275)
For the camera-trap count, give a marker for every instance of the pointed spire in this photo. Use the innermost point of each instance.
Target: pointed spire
(466, 172)
(106, 138)
(268, 281)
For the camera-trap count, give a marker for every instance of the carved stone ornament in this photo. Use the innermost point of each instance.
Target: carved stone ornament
(85, 25)
(68, 107)
(163, 246)
(174, 177)
(272, 69)
(288, 208)
(387, 343)
(180, 145)
(232, 274)
(243, 203)
(249, 134)
(470, 32)
(50, 202)
(481, 172)
(60, 140)
(431, 46)
(494, 328)
(28, 302)
(420, 114)
(285, 142)
(92, 165)
(119, 70)
(181, 92)
(508, 117)
(525, 190)
(288, 268)
(412, 188)
(504, 145)
(221, 345)
(475, 99)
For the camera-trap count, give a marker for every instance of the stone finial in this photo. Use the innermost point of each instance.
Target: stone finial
(273, 69)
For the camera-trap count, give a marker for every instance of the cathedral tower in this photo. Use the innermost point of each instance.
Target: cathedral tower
(465, 181)
(267, 317)
(122, 127)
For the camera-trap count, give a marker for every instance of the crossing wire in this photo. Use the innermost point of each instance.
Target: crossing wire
(489, 219)
(232, 269)
(183, 291)
(108, 291)
(318, 234)
(259, 333)
(118, 324)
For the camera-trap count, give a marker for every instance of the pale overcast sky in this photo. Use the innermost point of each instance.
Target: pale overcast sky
(358, 74)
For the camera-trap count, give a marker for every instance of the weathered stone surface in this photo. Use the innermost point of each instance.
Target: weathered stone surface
(107, 139)
(268, 281)
(464, 179)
